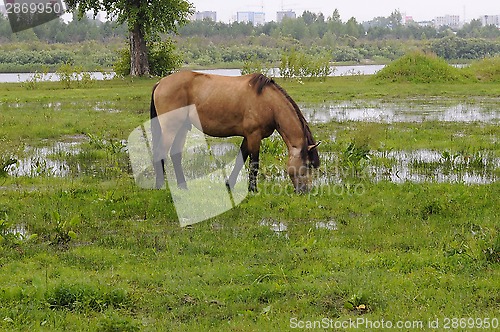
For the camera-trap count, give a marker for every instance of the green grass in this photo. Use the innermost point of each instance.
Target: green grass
(486, 69)
(418, 67)
(110, 256)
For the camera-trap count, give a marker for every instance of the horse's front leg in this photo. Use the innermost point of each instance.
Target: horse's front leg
(238, 165)
(254, 148)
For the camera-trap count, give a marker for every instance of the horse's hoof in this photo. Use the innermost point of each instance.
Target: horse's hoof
(252, 189)
(182, 186)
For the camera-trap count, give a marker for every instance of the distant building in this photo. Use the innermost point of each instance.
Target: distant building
(256, 18)
(200, 16)
(452, 21)
(407, 20)
(286, 13)
(425, 23)
(490, 20)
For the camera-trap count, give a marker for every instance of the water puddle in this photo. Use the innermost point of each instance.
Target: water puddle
(222, 149)
(434, 166)
(105, 107)
(412, 166)
(44, 161)
(281, 229)
(102, 106)
(329, 225)
(71, 158)
(66, 159)
(75, 156)
(410, 111)
(19, 231)
(277, 227)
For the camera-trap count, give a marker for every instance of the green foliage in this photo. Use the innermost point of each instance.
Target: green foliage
(64, 229)
(480, 245)
(43, 58)
(115, 323)
(295, 64)
(255, 65)
(162, 56)
(84, 297)
(32, 83)
(74, 76)
(5, 163)
(10, 235)
(146, 21)
(354, 159)
(486, 70)
(122, 64)
(418, 67)
(38, 57)
(153, 17)
(453, 47)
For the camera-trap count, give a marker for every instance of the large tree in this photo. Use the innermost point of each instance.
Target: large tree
(145, 19)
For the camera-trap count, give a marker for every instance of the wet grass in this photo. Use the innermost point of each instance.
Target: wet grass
(108, 255)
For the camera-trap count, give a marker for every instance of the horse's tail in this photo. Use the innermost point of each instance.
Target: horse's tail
(156, 133)
(152, 108)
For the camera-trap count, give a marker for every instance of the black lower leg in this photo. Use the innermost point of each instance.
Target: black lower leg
(240, 162)
(159, 168)
(252, 176)
(179, 173)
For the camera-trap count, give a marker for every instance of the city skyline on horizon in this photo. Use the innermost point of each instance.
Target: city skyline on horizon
(466, 9)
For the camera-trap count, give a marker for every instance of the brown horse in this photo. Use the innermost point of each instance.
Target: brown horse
(251, 106)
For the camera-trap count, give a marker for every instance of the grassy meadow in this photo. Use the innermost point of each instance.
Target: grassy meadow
(83, 248)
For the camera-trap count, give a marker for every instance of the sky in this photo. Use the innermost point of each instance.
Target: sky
(420, 10)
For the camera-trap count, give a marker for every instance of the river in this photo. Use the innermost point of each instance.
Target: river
(337, 71)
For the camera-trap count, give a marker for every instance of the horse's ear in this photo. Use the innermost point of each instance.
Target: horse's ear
(313, 146)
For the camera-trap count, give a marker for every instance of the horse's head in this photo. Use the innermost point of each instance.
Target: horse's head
(299, 168)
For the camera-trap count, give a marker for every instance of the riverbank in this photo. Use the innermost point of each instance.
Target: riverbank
(304, 91)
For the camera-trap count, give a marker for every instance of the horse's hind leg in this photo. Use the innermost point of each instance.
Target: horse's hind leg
(159, 168)
(159, 153)
(159, 158)
(176, 156)
(163, 139)
(240, 161)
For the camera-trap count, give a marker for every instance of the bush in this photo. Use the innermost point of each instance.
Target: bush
(71, 76)
(486, 70)
(255, 65)
(461, 48)
(162, 57)
(297, 64)
(418, 67)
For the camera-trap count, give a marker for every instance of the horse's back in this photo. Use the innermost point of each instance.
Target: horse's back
(195, 87)
(225, 105)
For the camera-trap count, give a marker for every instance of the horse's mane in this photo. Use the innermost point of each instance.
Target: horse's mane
(259, 82)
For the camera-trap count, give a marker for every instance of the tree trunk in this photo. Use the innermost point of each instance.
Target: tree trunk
(139, 65)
